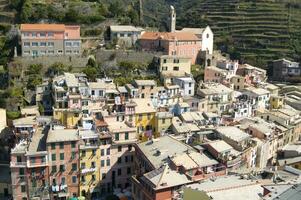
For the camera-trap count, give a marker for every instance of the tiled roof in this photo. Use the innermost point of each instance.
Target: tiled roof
(185, 36)
(42, 27)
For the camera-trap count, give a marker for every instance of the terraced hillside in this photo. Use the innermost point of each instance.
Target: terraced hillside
(255, 31)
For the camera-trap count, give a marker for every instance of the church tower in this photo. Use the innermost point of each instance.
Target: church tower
(172, 23)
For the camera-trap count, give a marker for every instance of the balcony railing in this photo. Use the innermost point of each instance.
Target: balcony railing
(17, 164)
(88, 170)
(41, 164)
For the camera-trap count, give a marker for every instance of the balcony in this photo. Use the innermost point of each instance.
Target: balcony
(18, 164)
(88, 170)
(40, 164)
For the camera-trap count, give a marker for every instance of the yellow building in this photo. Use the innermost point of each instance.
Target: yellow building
(163, 122)
(68, 118)
(144, 118)
(90, 164)
(276, 102)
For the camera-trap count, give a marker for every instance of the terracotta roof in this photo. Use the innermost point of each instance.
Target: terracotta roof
(42, 27)
(186, 36)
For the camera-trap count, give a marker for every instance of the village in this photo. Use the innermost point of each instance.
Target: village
(233, 134)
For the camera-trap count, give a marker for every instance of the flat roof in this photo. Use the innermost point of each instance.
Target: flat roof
(125, 28)
(143, 106)
(62, 135)
(233, 133)
(158, 150)
(25, 121)
(214, 88)
(145, 82)
(229, 188)
(38, 142)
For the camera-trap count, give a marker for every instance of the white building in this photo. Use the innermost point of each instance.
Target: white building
(186, 84)
(260, 97)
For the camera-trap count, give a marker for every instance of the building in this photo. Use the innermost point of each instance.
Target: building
(29, 168)
(172, 66)
(284, 70)
(195, 43)
(146, 88)
(5, 183)
(187, 85)
(219, 97)
(125, 36)
(63, 150)
(144, 118)
(260, 97)
(165, 164)
(163, 123)
(50, 40)
(253, 75)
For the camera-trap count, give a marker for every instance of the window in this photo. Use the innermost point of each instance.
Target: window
(53, 157)
(102, 163)
(93, 177)
(143, 87)
(43, 44)
(108, 151)
(163, 121)
(52, 146)
(21, 171)
(34, 34)
(34, 44)
(43, 52)
(117, 136)
(26, 44)
(74, 179)
(50, 44)
(128, 170)
(63, 181)
(53, 170)
(61, 145)
(132, 158)
(50, 34)
(26, 52)
(83, 179)
(93, 165)
(126, 136)
(119, 148)
(189, 91)
(119, 160)
(129, 147)
(19, 159)
(140, 117)
(51, 52)
(23, 188)
(93, 152)
(32, 160)
(68, 44)
(189, 84)
(126, 159)
(76, 44)
(73, 155)
(60, 51)
(148, 116)
(83, 165)
(68, 51)
(26, 34)
(108, 162)
(119, 172)
(73, 144)
(207, 35)
(102, 152)
(74, 166)
(176, 61)
(42, 34)
(62, 156)
(76, 51)
(62, 168)
(83, 153)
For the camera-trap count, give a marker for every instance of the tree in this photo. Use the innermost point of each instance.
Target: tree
(58, 68)
(91, 73)
(27, 11)
(34, 69)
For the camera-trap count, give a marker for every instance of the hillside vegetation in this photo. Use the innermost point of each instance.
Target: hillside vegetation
(254, 31)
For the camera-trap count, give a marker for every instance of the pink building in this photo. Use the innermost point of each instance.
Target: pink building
(50, 40)
(181, 43)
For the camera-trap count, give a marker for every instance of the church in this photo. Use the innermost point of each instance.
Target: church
(194, 43)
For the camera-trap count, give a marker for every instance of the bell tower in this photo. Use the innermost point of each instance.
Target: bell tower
(172, 22)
